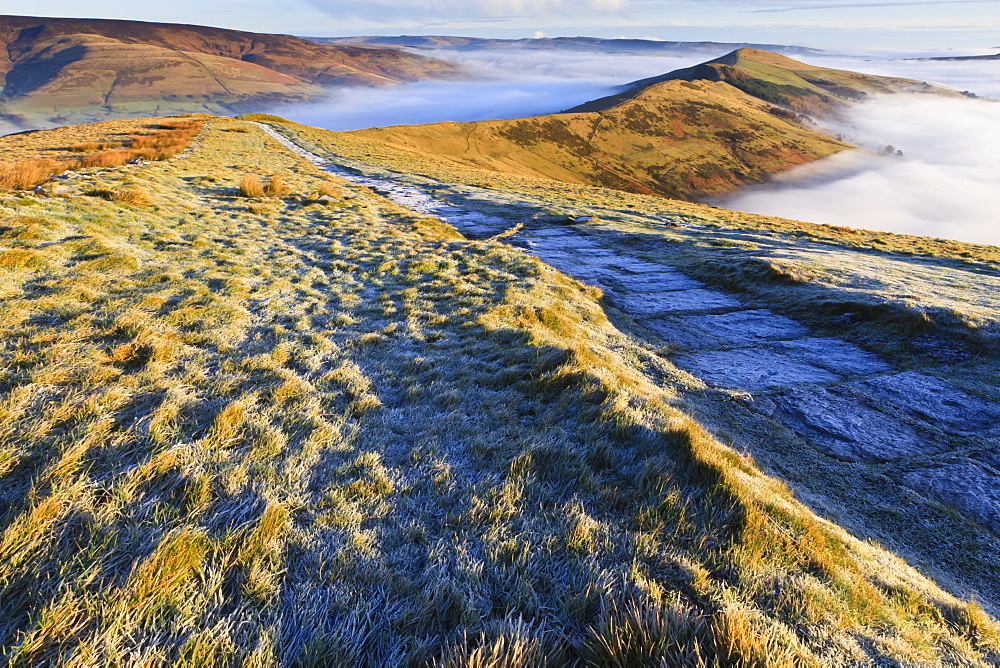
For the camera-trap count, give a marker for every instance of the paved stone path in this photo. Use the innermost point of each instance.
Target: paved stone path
(846, 402)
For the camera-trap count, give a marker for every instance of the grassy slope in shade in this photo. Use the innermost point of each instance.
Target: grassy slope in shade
(72, 70)
(273, 432)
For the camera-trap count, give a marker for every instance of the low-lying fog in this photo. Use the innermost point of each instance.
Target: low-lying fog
(502, 84)
(946, 184)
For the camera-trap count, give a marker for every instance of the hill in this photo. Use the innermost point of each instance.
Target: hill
(780, 80)
(255, 413)
(696, 132)
(584, 44)
(674, 138)
(71, 70)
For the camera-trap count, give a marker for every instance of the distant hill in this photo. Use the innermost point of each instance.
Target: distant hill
(994, 56)
(593, 44)
(68, 70)
(779, 80)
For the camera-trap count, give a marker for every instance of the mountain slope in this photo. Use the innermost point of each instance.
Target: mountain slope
(77, 69)
(677, 139)
(780, 80)
(287, 430)
(695, 132)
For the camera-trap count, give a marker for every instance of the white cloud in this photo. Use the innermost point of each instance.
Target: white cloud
(460, 10)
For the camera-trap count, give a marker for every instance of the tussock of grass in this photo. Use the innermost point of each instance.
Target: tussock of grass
(345, 436)
(276, 186)
(251, 186)
(169, 139)
(25, 174)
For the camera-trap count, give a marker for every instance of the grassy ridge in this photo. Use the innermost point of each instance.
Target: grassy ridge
(780, 80)
(678, 139)
(267, 431)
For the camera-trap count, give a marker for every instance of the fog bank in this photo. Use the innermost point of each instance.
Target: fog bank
(947, 184)
(504, 83)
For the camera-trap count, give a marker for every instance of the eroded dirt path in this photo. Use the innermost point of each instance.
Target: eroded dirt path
(841, 400)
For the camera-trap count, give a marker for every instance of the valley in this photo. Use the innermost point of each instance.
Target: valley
(59, 71)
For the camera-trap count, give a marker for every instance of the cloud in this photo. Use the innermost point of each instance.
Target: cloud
(947, 184)
(461, 10)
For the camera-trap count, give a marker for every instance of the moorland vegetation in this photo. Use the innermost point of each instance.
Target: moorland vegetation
(270, 417)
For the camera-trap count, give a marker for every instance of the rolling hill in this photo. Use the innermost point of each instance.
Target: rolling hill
(777, 79)
(696, 132)
(70, 70)
(256, 413)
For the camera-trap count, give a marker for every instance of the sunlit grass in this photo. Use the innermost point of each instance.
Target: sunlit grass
(338, 435)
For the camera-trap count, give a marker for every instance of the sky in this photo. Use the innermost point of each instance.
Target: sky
(833, 24)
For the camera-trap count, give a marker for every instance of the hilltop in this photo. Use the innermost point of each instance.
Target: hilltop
(258, 413)
(692, 133)
(777, 79)
(71, 70)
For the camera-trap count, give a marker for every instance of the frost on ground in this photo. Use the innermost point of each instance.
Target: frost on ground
(844, 401)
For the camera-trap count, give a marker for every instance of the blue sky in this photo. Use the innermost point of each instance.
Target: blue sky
(926, 24)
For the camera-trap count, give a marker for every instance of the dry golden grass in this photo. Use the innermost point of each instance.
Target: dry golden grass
(25, 174)
(166, 142)
(250, 185)
(348, 436)
(169, 139)
(91, 146)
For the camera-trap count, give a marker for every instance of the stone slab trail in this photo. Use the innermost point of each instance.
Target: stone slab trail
(840, 399)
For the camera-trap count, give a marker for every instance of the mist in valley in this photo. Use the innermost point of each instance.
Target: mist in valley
(945, 184)
(503, 83)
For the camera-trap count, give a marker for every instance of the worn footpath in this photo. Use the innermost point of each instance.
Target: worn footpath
(843, 401)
